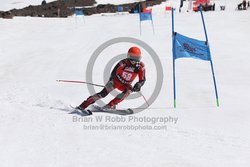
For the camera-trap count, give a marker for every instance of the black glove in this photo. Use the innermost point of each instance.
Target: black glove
(137, 87)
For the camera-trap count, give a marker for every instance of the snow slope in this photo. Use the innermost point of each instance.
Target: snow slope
(36, 130)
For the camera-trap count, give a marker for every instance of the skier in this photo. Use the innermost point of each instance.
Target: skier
(121, 78)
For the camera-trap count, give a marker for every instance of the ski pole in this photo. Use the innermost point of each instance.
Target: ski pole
(144, 98)
(80, 82)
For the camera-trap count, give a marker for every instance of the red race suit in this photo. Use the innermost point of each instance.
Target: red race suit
(122, 76)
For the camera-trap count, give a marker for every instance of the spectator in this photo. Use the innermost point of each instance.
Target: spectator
(240, 6)
(213, 7)
(244, 3)
(137, 8)
(205, 7)
(44, 2)
(190, 5)
(181, 5)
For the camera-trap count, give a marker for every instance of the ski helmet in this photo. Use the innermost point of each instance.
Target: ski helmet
(134, 53)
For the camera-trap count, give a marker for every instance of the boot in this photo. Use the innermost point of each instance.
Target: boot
(108, 106)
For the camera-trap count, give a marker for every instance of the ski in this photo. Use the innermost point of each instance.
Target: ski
(96, 108)
(77, 111)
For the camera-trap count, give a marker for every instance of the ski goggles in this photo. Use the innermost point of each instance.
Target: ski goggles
(133, 57)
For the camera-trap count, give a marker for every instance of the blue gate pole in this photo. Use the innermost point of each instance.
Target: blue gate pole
(173, 51)
(211, 63)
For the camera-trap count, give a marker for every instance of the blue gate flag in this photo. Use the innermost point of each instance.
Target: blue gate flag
(190, 48)
(78, 12)
(145, 16)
